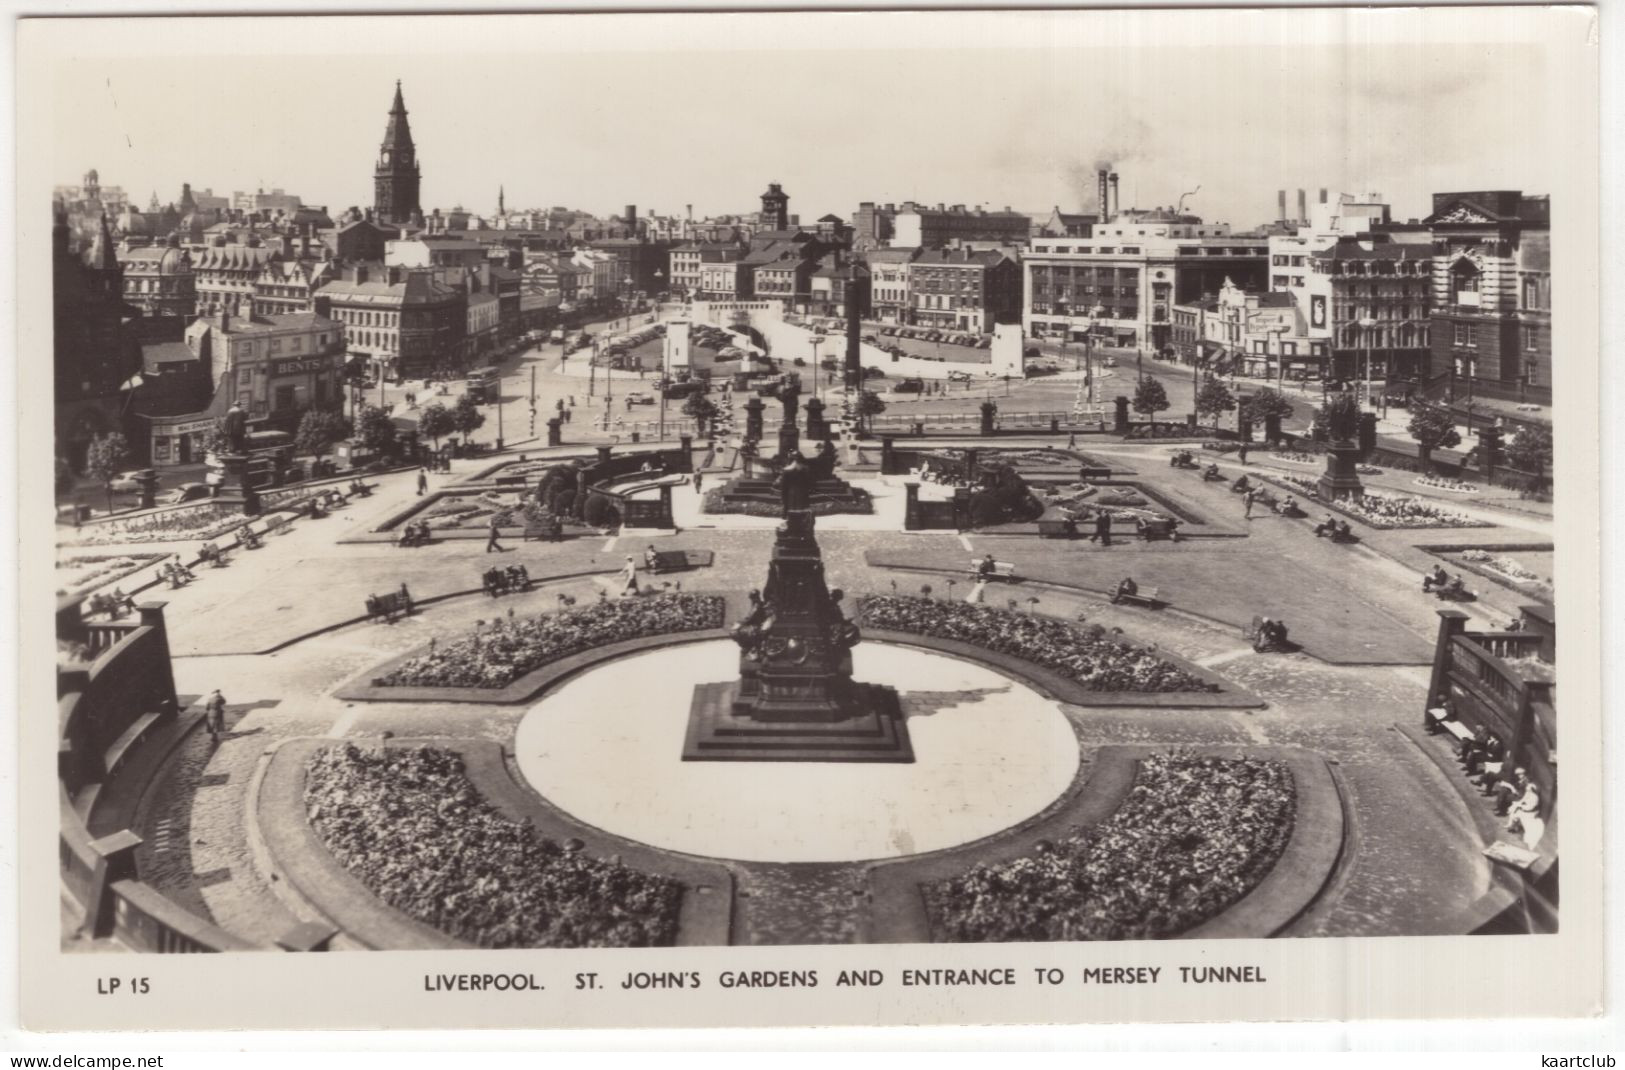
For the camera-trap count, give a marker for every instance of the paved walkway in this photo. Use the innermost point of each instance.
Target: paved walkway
(1415, 858)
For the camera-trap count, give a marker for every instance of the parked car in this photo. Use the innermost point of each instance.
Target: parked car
(188, 492)
(125, 482)
(958, 377)
(1399, 394)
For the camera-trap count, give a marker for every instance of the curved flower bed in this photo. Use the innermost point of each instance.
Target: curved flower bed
(497, 655)
(205, 521)
(1088, 656)
(85, 573)
(1192, 838)
(1297, 457)
(412, 827)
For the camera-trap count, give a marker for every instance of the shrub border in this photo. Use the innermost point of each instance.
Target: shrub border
(1374, 525)
(1292, 885)
(314, 883)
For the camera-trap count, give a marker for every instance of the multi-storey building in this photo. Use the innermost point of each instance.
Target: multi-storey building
(1254, 332)
(1121, 284)
(964, 290)
(404, 322)
(787, 280)
(687, 259)
(284, 287)
(1491, 281)
(888, 290)
(933, 228)
(158, 279)
(224, 276)
(775, 208)
(830, 284)
(725, 281)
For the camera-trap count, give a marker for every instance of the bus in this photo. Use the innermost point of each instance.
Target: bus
(484, 385)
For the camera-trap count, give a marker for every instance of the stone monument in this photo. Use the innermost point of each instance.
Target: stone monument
(795, 699)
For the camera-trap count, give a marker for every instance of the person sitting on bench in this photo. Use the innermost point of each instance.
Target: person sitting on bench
(316, 510)
(1241, 486)
(1436, 578)
(1211, 474)
(1455, 588)
(1326, 527)
(1343, 532)
(1286, 506)
(650, 558)
(987, 568)
(1126, 588)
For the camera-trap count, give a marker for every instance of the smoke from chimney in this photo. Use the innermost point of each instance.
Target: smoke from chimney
(1105, 198)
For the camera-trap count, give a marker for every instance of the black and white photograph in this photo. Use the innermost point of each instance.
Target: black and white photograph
(889, 508)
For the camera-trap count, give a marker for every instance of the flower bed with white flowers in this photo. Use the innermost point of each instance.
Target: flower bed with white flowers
(1193, 836)
(1088, 656)
(87, 572)
(412, 827)
(495, 655)
(1453, 486)
(205, 521)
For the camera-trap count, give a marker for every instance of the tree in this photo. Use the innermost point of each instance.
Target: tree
(435, 422)
(374, 429)
(1214, 398)
(1433, 429)
(1149, 397)
(1270, 407)
(869, 406)
(318, 430)
(104, 457)
(1531, 450)
(214, 439)
(702, 410)
(1341, 417)
(466, 416)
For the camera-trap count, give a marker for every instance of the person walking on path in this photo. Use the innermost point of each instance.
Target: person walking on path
(1250, 497)
(1103, 528)
(491, 543)
(423, 480)
(699, 477)
(214, 715)
(1072, 441)
(1242, 453)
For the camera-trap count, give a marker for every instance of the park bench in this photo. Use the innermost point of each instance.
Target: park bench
(679, 560)
(1262, 643)
(390, 605)
(361, 489)
(1161, 528)
(1088, 472)
(128, 740)
(500, 581)
(1058, 528)
(1149, 597)
(212, 554)
(1002, 570)
(509, 481)
(550, 528)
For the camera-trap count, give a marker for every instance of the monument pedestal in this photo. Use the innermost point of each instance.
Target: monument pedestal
(795, 699)
(1341, 478)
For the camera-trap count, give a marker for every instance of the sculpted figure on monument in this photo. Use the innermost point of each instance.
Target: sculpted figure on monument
(754, 627)
(795, 484)
(823, 462)
(235, 426)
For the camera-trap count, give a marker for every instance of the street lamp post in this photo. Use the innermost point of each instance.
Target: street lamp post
(1367, 325)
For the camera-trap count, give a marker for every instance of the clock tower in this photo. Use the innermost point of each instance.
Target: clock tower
(395, 181)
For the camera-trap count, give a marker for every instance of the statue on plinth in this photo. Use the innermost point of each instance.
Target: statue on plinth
(822, 463)
(795, 485)
(235, 427)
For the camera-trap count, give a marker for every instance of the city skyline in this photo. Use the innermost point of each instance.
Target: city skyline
(1400, 120)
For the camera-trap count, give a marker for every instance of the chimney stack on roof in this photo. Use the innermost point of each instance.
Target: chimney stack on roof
(1280, 205)
(1104, 196)
(1117, 205)
(1303, 208)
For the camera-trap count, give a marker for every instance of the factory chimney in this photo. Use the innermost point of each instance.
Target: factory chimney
(1117, 205)
(1105, 204)
(1303, 208)
(1280, 201)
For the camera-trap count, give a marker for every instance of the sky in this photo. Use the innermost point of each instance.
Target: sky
(835, 113)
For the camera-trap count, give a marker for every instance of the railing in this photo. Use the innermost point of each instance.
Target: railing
(1509, 644)
(147, 920)
(101, 636)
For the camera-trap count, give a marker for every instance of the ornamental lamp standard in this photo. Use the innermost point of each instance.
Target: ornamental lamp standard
(1367, 326)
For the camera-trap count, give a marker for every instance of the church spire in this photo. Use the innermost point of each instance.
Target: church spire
(395, 181)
